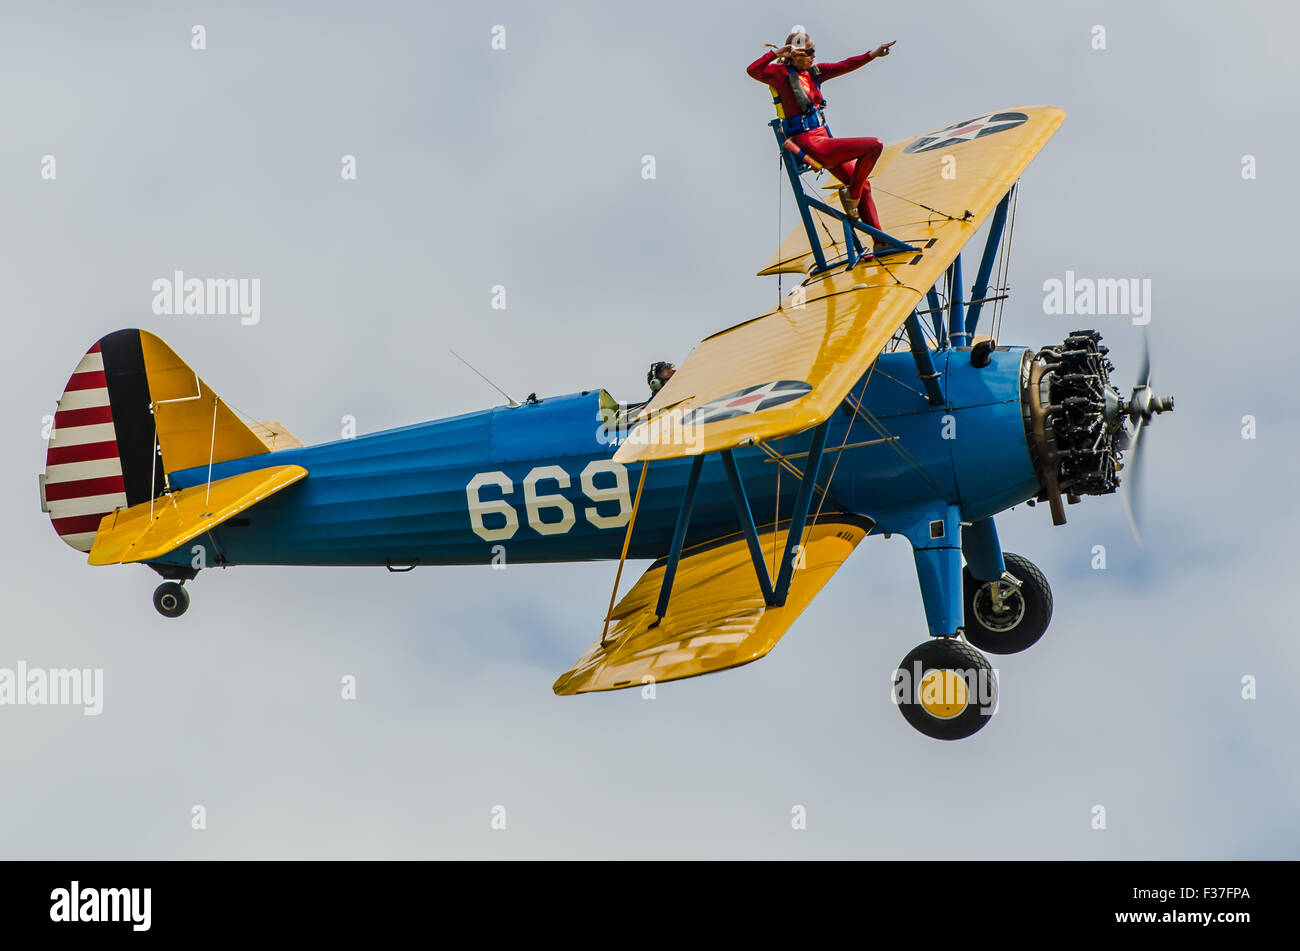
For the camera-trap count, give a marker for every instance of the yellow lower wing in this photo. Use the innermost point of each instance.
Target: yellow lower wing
(716, 616)
(133, 535)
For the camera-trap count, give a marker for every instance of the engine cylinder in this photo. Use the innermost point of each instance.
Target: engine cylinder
(1073, 420)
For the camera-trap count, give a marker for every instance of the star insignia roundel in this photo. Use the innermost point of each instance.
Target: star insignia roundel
(752, 399)
(960, 132)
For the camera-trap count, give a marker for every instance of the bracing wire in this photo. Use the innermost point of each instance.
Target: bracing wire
(913, 201)
(870, 419)
(1005, 288)
(848, 430)
(780, 273)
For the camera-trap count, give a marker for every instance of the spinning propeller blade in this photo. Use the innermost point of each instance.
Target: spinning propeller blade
(1143, 404)
(1129, 488)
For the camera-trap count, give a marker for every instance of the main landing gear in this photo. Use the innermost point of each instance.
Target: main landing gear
(946, 688)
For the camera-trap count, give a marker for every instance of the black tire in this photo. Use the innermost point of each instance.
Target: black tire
(171, 599)
(1026, 611)
(946, 708)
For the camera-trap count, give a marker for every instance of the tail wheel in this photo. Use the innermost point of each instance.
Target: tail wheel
(946, 689)
(1004, 619)
(171, 599)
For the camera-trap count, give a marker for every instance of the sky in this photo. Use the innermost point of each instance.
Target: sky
(522, 167)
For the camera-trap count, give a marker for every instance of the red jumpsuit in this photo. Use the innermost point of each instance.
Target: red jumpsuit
(849, 160)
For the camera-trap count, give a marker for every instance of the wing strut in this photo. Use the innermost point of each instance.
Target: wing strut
(924, 361)
(799, 517)
(773, 595)
(746, 518)
(679, 537)
(956, 306)
(936, 317)
(627, 540)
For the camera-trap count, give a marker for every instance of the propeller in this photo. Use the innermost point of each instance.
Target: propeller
(1140, 407)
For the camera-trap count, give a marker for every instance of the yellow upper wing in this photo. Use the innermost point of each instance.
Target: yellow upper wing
(716, 616)
(797, 363)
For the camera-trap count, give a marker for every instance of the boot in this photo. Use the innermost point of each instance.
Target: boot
(850, 204)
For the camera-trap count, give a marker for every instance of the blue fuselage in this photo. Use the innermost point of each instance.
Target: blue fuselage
(537, 483)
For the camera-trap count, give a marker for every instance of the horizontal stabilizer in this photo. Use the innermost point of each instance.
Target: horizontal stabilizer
(152, 529)
(717, 617)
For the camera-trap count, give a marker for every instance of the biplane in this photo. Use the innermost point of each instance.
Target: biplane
(866, 403)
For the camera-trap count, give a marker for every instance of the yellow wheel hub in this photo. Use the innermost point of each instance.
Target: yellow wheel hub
(944, 694)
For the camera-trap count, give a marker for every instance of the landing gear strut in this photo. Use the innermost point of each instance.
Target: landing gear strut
(171, 599)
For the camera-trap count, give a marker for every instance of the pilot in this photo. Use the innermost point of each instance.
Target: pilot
(796, 81)
(660, 373)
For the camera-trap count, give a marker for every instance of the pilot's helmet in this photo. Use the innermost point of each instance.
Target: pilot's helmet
(657, 376)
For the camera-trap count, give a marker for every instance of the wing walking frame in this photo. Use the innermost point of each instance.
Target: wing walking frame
(796, 163)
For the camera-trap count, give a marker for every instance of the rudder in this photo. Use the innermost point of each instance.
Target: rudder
(102, 456)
